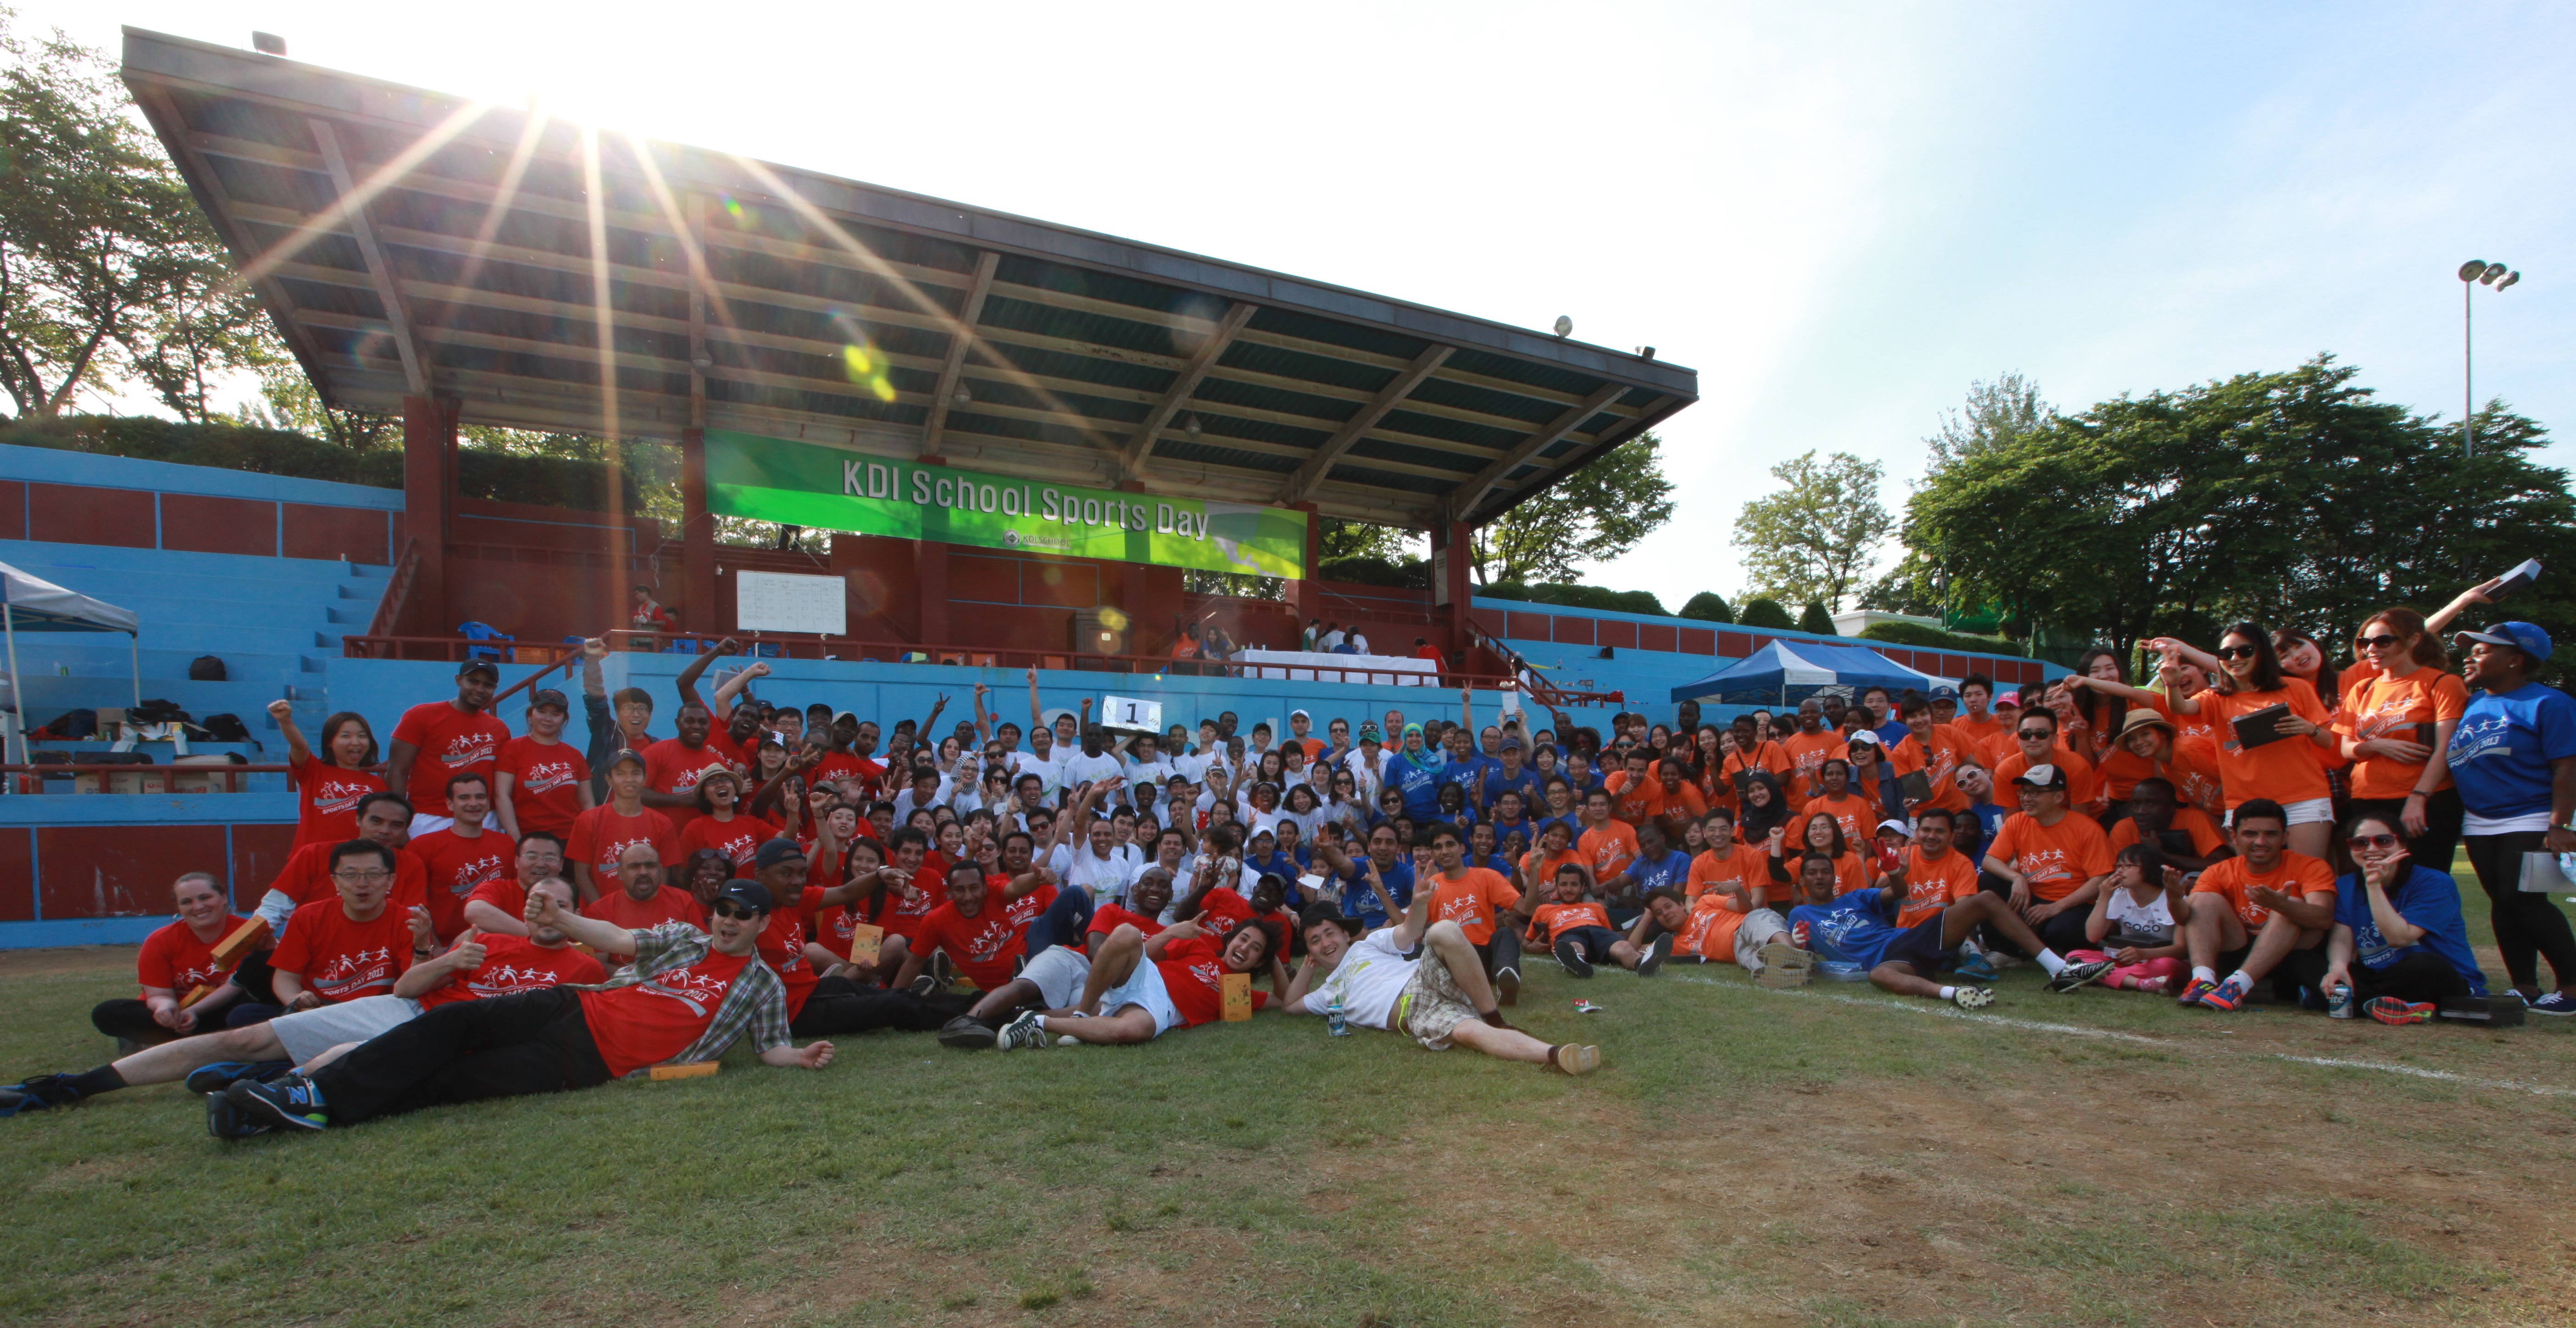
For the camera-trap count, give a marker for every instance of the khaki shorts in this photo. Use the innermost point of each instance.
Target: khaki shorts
(1431, 1005)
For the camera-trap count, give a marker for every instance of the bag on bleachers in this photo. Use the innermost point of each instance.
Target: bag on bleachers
(156, 711)
(227, 728)
(70, 726)
(206, 668)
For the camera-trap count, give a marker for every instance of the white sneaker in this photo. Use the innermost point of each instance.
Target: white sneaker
(1025, 1033)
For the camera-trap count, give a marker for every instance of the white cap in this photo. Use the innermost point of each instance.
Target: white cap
(1898, 826)
(1299, 714)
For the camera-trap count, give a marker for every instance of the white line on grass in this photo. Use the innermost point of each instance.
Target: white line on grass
(2419, 1072)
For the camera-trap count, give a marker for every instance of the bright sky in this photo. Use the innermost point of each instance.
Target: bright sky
(1839, 215)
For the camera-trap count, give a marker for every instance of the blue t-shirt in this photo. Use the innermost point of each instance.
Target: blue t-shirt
(1990, 819)
(1468, 773)
(1573, 828)
(2501, 751)
(1493, 862)
(1673, 873)
(2426, 898)
(1359, 901)
(1420, 785)
(1495, 783)
(1855, 929)
(1277, 864)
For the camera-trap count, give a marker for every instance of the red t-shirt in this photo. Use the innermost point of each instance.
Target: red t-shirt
(547, 778)
(671, 766)
(1194, 976)
(782, 947)
(306, 877)
(986, 947)
(340, 960)
(902, 917)
(1025, 909)
(452, 742)
(619, 909)
(513, 964)
(458, 868)
(657, 1019)
(175, 960)
(326, 800)
(600, 834)
(1107, 918)
(739, 839)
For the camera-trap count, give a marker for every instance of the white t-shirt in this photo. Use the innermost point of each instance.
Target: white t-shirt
(904, 806)
(1329, 640)
(1155, 772)
(1106, 878)
(1081, 769)
(1359, 644)
(2152, 919)
(1049, 768)
(1370, 977)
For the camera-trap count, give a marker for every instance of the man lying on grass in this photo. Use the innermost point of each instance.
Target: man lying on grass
(1425, 982)
(1046, 983)
(686, 997)
(1137, 988)
(1859, 928)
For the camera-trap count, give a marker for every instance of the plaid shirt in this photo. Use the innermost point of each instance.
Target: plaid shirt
(754, 1003)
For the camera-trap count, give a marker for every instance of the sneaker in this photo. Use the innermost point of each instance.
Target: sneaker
(1068, 1040)
(2152, 986)
(2194, 990)
(942, 968)
(1571, 955)
(221, 1075)
(1971, 998)
(1022, 1034)
(967, 1033)
(2076, 975)
(1975, 969)
(39, 1093)
(226, 1121)
(2390, 1010)
(1507, 987)
(2225, 996)
(1783, 965)
(2555, 1002)
(926, 985)
(1656, 954)
(290, 1099)
(1572, 1059)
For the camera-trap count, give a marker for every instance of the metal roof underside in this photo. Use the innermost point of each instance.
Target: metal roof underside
(413, 243)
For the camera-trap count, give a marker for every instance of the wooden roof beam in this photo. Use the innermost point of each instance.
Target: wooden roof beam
(1301, 485)
(1131, 461)
(952, 372)
(1463, 501)
(363, 230)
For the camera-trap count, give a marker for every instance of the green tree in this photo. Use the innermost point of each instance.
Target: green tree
(1336, 539)
(1595, 516)
(1708, 606)
(106, 263)
(1813, 618)
(1994, 415)
(1759, 612)
(1816, 538)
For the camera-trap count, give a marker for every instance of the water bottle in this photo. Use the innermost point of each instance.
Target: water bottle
(1333, 1020)
(2339, 1000)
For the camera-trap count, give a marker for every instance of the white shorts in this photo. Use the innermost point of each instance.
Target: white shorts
(308, 1033)
(2313, 811)
(1060, 971)
(1758, 927)
(1143, 988)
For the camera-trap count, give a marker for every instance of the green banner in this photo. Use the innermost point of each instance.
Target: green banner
(831, 488)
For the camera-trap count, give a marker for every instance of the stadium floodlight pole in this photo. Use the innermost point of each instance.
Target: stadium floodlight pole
(2474, 273)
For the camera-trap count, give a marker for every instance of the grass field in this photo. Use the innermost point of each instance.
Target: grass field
(1828, 1156)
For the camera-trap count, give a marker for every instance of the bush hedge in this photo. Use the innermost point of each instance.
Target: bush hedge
(1708, 606)
(1933, 638)
(1767, 613)
(1576, 596)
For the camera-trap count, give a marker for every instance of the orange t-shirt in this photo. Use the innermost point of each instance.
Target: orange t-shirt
(1938, 760)
(1858, 819)
(1710, 933)
(2290, 770)
(2380, 706)
(1937, 884)
(2296, 875)
(1472, 901)
(2192, 770)
(2058, 859)
(2192, 821)
(2079, 774)
(1607, 849)
(1977, 732)
(1808, 752)
(1710, 872)
(1633, 801)
(1559, 919)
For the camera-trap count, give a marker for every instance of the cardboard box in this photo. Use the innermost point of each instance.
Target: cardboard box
(685, 1070)
(138, 781)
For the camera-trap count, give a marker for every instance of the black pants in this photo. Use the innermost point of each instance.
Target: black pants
(2422, 979)
(838, 1006)
(2061, 933)
(504, 1046)
(130, 1020)
(1502, 952)
(2438, 845)
(2526, 925)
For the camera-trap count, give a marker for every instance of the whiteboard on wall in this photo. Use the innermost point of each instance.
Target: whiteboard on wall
(786, 602)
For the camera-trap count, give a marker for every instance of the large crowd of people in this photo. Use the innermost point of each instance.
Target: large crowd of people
(484, 912)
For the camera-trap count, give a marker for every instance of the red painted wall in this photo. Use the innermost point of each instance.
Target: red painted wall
(78, 514)
(201, 524)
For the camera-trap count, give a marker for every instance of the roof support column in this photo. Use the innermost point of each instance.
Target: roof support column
(429, 504)
(1305, 596)
(697, 537)
(1452, 548)
(930, 581)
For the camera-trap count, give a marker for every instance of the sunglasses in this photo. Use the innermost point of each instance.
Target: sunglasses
(2239, 652)
(2038, 733)
(2382, 641)
(2360, 843)
(726, 908)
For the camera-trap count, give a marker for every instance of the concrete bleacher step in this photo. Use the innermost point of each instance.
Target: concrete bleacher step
(47, 697)
(95, 656)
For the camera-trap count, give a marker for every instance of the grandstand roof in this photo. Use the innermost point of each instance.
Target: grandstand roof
(415, 243)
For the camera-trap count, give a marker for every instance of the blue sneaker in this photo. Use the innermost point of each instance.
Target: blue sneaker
(221, 1075)
(2555, 1003)
(226, 1121)
(38, 1094)
(1977, 969)
(289, 1100)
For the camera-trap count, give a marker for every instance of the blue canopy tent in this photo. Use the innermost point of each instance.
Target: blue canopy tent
(40, 605)
(1786, 672)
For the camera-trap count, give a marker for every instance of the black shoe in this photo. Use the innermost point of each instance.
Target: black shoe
(221, 1075)
(1507, 987)
(1571, 955)
(926, 985)
(226, 1121)
(40, 1093)
(1656, 954)
(967, 1033)
(292, 1100)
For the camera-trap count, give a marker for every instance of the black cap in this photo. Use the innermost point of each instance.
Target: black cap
(548, 696)
(625, 754)
(750, 894)
(480, 666)
(775, 851)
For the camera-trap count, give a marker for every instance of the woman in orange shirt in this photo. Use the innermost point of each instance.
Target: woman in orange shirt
(1819, 833)
(2291, 770)
(2398, 715)
(2097, 715)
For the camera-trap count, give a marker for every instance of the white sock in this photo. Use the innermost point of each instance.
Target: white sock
(2048, 960)
(1949, 992)
(2200, 974)
(2232, 980)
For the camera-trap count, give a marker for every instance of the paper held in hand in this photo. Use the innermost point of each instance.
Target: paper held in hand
(1237, 991)
(864, 941)
(1128, 715)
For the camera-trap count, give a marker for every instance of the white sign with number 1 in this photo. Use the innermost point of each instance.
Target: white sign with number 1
(1121, 712)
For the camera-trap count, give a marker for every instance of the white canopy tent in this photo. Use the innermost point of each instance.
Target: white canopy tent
(40, 605)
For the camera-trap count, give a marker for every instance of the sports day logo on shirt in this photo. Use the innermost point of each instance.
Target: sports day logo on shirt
(510, 980)
(334, 796)
(991, 934)
(547, 776)
(701, 992)
(469, 749)
(2044, 864)
(352, 973)
(471, 875)
(2480, 736)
